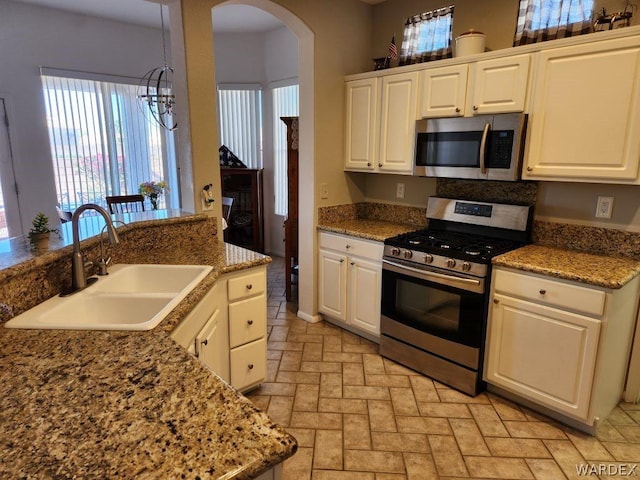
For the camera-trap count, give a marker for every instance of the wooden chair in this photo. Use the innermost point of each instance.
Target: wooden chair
(125, 203)
(227, 203)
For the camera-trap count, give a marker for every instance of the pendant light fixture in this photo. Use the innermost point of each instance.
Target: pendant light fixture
(155, 89)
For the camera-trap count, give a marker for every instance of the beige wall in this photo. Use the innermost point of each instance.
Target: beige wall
(333, 38)
(565, 202)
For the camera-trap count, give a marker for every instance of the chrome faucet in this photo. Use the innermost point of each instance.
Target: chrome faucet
(78, 278)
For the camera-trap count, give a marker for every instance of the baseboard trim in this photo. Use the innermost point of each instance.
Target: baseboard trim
(309, 318)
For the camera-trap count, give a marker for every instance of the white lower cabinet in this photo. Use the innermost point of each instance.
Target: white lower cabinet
(227, 329)
(558, 344)
(350, 281)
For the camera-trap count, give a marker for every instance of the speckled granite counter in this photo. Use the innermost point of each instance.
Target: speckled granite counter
(370, 229)
(599, 270)
(92, 404)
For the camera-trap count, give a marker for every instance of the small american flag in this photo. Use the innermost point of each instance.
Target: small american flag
(393, 49)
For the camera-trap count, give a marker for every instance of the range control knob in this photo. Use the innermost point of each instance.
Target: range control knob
(451, 263)
(466, 266)
(395, 251)
(407, 254)
(428, 258)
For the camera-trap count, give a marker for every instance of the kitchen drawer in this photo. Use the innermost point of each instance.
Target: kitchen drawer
(352, 246)
(247, 320)
(249, 364)
(542, 289)
(246, 286)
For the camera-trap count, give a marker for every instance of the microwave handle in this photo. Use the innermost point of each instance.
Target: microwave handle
(483, 148)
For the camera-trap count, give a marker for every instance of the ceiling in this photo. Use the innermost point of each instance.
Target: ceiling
(226, 18)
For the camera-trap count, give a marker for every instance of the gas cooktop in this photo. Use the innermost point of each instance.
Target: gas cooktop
(470, 247)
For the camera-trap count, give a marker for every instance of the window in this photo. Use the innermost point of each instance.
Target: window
(427, 36)
(541, 20)
(285, 104)
(240, 122)
(104, 142)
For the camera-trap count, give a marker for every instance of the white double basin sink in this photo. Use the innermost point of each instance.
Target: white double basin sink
(131, 297)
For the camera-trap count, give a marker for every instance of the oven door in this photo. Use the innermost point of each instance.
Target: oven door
(443, 314)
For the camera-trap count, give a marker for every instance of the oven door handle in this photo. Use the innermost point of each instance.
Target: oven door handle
(483, 148)
(428, 273)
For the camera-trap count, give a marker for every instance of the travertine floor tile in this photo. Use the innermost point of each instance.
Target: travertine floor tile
(381, 417)
(343, 405)
(404, 402)
(589, 447)
(373, 461)
(448, 410)
(298, 466)
(400, 442)
(446, 455)
(306, 399)
(334, 475)
(497, 467)
(357, 434)
(543, 469)
(624, 452)
(517, 447)
(488, 421)
(328, 450)
(419, 466)
(534, 430)
(468, 436)
(280, 410)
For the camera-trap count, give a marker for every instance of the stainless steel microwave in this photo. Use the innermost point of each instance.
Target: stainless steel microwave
(484, 147)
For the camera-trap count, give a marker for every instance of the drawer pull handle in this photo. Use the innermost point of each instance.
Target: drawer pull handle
(353, 263)
(250, 366)
(204, 342)
(496, 301)
(249, 287)
(475, 108)
(543, 291)
(368, 164)
(342, 260)
(348, 246)
(250, 322)
(457, 109)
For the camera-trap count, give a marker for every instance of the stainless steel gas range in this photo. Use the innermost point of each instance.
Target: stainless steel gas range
(435, 288)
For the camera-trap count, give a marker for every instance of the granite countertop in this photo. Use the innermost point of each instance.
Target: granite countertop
(97, 404)
(598, 270)
(378, 230)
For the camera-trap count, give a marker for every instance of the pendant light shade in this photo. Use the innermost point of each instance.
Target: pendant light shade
(155, 89)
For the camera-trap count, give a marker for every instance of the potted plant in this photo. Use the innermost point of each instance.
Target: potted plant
(39, 234)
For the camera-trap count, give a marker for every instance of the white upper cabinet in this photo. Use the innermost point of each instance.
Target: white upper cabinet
(489, 86)
(361, 124)
(380, 123)
(398, 122)
(443, 91)
(500, 85)
(584, 123)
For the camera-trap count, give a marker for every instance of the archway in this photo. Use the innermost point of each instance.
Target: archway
(307, 258)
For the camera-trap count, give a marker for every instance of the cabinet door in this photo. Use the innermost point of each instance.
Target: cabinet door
(544, 354)
(332, 284)
(361, 124)
(365, 283)
(585, 115)
(398, 123)
(500, 85)
(211, 346)
(443, 91)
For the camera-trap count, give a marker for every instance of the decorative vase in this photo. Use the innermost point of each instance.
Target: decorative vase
(154, 202)
(40, 241)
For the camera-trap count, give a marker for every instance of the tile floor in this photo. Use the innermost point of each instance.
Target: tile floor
(358, 416)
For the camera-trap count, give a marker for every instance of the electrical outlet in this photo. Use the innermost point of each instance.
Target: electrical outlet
(324, 191)
(399, 190)
(604, 207)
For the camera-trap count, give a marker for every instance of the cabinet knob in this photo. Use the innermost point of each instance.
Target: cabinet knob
(368, 164)
(475, 108)
(249, 322)
(342, 260)
(250, 366)
(347, 246)
(529, 169)
(249, 287)
(204, 342)
(457, 109)
(380, 165)
(542, 291)
(496, 301)
(353, 263)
